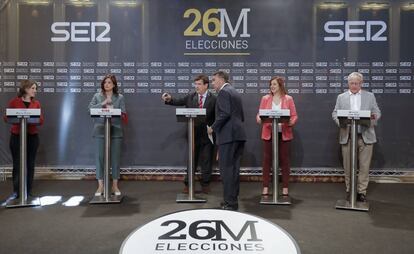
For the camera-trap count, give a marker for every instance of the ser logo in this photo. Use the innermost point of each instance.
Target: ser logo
(80, 31)
(355, 30)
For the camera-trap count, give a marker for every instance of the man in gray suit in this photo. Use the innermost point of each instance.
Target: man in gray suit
(230, 136)
(357, 99)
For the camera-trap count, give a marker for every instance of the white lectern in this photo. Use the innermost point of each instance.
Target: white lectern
(23, 116)
(354, 118)
(275, 117)
(189, 115)
(107, 114)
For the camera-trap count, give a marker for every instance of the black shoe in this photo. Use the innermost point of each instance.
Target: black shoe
(361, 197)
(230, 207)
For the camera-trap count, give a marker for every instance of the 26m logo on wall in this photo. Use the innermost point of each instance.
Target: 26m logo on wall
(219, 32)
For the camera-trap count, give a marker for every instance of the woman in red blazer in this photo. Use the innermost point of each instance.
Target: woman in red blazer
(24, 99)
(277, 99)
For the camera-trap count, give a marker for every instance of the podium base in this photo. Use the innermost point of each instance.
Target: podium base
(185, 198)
(112, 199)
(346, 205)
(280, 200)
(29, 202)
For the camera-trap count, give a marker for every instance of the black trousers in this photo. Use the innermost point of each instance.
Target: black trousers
(229, 163)
(203, 157)
(32, 145)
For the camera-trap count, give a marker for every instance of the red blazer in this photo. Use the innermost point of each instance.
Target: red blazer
(18, 103)
(286, 103)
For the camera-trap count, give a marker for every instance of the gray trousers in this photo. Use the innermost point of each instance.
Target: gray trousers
(115, 159)
(364, 160)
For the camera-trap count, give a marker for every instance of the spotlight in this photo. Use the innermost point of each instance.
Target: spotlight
(375, 6)
(332, 5)
(86, 3)
(74, 201)
(49, 200)
(36, 2)
(408, 7)
(120, 3)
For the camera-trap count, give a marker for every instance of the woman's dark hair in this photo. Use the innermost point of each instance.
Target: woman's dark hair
(112, 77)
(24, 84)
(281, 82)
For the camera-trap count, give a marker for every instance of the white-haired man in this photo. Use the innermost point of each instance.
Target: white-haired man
(357, 99)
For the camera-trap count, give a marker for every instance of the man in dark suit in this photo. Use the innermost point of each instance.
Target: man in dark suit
(204, 147)
(230, 137)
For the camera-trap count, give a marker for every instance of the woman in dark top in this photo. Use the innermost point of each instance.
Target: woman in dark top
(24, 99)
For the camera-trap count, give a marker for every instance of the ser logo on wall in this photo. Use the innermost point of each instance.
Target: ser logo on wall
(220, 30)
(373, 30)
(209, 231)
(80, 31)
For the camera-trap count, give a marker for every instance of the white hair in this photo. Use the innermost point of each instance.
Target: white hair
(355, 75)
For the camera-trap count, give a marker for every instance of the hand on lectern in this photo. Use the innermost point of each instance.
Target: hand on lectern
(166, 97)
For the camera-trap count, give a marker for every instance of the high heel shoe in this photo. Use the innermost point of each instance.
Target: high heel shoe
(116, 192)
(99, 192)
(265, 193)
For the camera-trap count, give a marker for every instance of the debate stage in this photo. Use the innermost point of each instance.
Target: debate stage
(312, 220)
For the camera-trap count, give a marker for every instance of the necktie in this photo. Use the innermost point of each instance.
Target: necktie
(200, 103)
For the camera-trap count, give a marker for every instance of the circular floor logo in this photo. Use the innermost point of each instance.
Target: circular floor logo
(205, 231)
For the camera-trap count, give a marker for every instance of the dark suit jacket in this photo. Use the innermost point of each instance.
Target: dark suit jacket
(229, 116)
(191, 101)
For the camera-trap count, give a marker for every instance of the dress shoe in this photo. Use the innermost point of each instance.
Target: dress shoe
(230, 207)
(361, 197)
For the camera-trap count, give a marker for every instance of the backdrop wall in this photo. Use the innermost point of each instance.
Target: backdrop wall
(160, 45)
